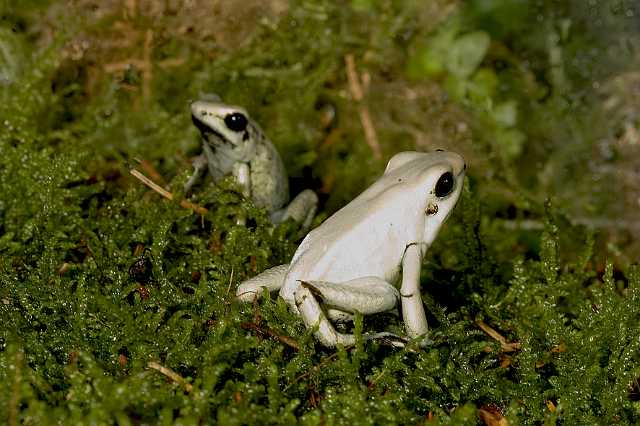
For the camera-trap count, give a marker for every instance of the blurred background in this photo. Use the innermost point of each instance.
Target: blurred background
(540, 96)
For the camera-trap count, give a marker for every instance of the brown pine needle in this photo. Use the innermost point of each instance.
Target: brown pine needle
(492, 417)
(355, 87)
(268, 332)
(353, 78)
(506, 346)
(171, 374)
(166, 194)
(147, 75)
(551, 406)
(150, 170)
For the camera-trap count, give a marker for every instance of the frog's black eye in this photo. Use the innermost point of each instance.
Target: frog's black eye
(444, 186)
(236, 122)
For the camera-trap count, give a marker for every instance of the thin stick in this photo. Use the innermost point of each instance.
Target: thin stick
(171, 374)
(492, 417)
(506, 346)
(166, 194)
(268, 332)
(151, 184)
(131, 8)
(151, 171)
(141, 64)
(147, 75)
(230, 281)
(365, 117)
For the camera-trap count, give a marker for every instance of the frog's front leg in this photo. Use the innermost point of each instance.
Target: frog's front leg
(271, 279)
(367, 295)
(199, 166)
(413, 314)
(301, 209)
(242, 174)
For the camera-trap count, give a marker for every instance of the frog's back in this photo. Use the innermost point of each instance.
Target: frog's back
(365, 238)
(368, 236)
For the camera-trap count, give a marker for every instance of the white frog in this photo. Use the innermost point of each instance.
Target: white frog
(351, 262)
(233, 143)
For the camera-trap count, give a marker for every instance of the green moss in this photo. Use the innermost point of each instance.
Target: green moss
(82, 335)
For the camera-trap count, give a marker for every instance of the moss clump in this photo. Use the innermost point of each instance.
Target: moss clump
(117, 305)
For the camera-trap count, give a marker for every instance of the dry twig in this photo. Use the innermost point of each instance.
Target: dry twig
(171, 374)
(151, 171)
(268, 332)
(492, 417)
(147, 75)
(551, 406)
(166, 194)
(355, 87)
(506, 346)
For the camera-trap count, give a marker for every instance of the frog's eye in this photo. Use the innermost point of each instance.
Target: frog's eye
(444, 185)
(236, 121)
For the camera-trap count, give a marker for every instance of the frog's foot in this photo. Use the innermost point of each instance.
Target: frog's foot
(367, 295)
(302, 209)
(271, 279)
(199, 166)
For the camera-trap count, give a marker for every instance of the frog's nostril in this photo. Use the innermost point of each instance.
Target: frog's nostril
(464, 167)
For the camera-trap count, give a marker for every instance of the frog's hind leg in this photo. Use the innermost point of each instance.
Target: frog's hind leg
(302, 209)
(367, 295)
(271, 279)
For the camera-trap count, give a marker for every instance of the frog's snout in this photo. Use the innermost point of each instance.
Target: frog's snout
(198, 109)
(200, 125)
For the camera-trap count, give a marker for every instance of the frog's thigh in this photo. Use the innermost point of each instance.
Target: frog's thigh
(367, 295)
(271, 279)
(301, 209)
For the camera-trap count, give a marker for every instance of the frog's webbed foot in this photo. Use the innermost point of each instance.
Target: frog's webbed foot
(301, 209)
(199, 166)
(367, 295)
(271, 279)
